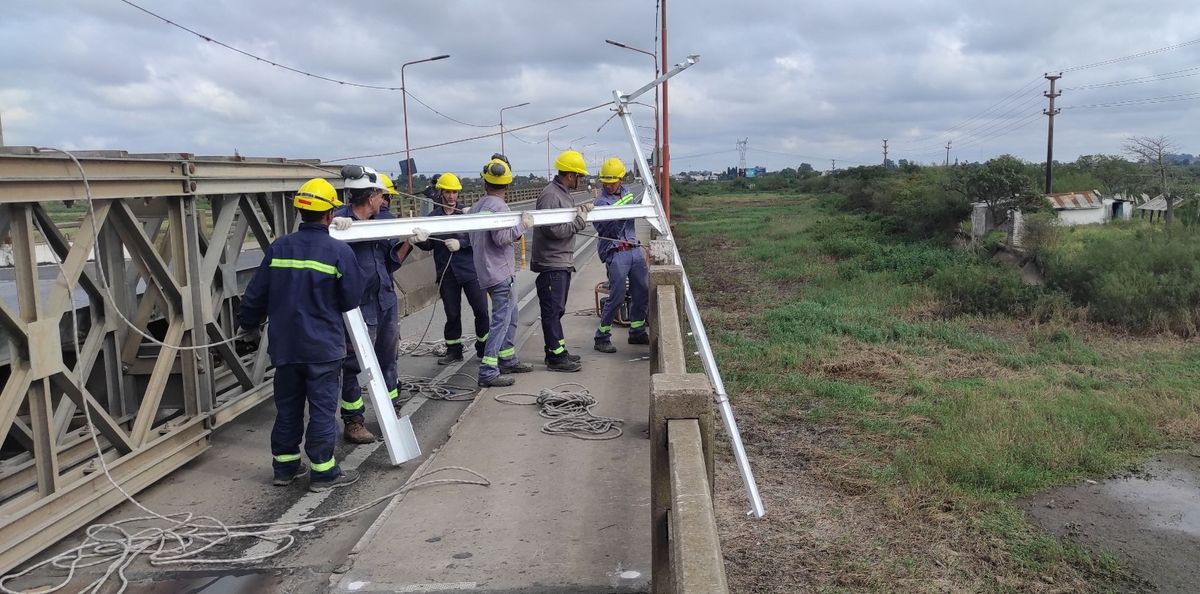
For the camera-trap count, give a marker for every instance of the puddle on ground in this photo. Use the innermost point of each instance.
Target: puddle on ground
(1149, 518)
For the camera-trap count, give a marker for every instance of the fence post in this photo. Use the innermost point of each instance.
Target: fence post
(673, 396)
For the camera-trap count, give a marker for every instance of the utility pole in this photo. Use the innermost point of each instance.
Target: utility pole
(885, 153)
(948, 152)
(1, 131)
(741, 147)
(833, 164)
(1050, 113)
(665, 156)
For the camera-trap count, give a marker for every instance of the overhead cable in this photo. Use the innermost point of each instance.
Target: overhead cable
(260, 58)
(478, 137)
(1131, 56)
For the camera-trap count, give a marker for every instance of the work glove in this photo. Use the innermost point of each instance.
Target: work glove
(527, 219)
(419, 235)
(584, 209)
(251, 335)
(466, 210)
(453, 245)
(342, 223)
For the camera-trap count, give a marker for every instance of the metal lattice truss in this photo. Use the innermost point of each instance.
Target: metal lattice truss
(177, 238)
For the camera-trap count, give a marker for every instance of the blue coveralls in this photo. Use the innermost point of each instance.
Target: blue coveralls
(380, 309)
(495, 265)
(455, 275)
(626, 262)
(304, 283)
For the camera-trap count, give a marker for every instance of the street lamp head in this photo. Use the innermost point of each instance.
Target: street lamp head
(441, 57)
(616, 43)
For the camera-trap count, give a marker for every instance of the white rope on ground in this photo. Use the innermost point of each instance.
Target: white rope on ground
(186, 536)
(439, 389)
(569, 411)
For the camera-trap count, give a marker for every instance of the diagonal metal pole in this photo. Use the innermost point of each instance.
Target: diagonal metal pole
(621, 103)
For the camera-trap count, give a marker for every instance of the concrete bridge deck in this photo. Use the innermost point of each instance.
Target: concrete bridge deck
(561, 515)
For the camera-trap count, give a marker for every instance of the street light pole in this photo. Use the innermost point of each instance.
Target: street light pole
(550, 172)
(404, 100)
(654, 60)
(502, 123)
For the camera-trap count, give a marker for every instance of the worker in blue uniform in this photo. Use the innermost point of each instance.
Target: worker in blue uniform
(306, 281)
(454, 266)
(377, 260)
(621, 253)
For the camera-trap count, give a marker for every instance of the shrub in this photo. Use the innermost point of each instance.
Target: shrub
(984, 288)
(1141, 280)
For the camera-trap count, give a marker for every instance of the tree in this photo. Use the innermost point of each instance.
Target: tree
(1152, 151)
(1114, 172)
(1003, 184)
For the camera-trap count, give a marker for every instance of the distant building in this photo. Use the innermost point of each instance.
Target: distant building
(1088, 208)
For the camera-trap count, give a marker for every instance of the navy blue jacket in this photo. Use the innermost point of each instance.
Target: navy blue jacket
(462, 265)
(376, 261)
(623, 229)
(305, 282)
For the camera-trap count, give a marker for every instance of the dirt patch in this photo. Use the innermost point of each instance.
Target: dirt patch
(1149, 519)
(829, 529)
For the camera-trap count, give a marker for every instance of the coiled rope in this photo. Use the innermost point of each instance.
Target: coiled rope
(569, 411)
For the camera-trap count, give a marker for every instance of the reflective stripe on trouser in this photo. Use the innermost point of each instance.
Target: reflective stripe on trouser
(314, 385)
(626, 266)
(552, 289)
(451, 292)
(385, 336)
(502, 333)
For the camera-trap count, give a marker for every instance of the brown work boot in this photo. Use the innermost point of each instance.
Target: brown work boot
(356, 432)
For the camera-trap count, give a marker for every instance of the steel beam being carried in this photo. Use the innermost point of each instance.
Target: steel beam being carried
(621, 103)
(401, 228)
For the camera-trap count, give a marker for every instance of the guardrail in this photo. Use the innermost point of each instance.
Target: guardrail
(685, 548)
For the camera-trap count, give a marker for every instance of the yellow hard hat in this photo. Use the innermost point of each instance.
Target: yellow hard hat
(496, 172)
(448, 181)
(317, 195)
(571, 161)
(389, 188)
(612, 170)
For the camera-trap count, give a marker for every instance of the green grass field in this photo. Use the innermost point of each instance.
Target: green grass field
(819, 319)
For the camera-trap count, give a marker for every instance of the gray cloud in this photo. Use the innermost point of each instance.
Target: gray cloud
(805, 82)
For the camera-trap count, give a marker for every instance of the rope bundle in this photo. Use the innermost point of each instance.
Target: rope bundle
(569, 411)
(438, 389)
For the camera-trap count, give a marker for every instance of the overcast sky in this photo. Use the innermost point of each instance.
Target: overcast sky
(803, 81)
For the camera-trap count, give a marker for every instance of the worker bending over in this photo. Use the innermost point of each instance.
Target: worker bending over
(554, 256)
(621, 253)
(454, 269)
(377, 260)
(495, 265)
(306, 281)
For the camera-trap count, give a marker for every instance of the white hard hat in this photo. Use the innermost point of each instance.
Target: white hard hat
(368, 178)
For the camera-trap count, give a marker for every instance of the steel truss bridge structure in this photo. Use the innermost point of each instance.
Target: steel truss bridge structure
(167, 243)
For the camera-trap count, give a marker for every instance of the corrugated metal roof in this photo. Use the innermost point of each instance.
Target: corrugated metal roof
(1075, 200)
(1159, 203)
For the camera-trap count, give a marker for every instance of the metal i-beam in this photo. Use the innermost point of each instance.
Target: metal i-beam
(621, 104)
(393, 228)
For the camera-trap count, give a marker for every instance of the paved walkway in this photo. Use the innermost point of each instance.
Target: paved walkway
(562, 514)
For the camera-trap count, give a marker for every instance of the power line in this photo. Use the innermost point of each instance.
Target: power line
(455, 120)
(815, 158)
(1142, 101)
(1140, 80)
(260, 58)
(478, 137)
(995, 106)
(1132, 56)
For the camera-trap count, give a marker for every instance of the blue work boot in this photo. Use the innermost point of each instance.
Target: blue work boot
(500, 381)
(347, 477)
(285, 479)
(604, 345)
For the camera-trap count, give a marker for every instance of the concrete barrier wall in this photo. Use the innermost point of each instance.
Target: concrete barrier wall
(685, 550)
